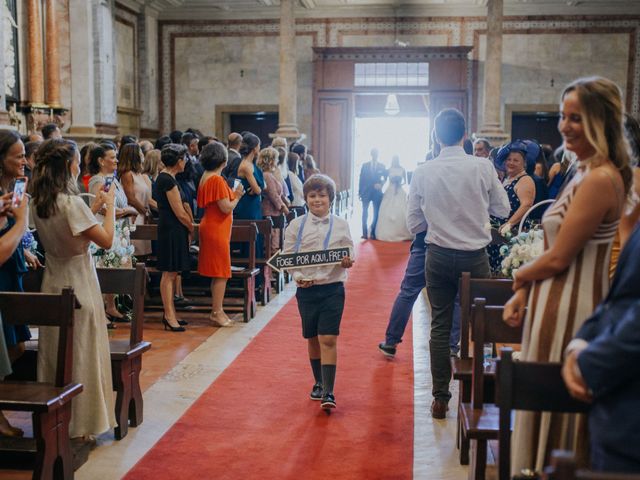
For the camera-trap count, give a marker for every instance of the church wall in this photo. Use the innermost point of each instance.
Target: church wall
(202, 55)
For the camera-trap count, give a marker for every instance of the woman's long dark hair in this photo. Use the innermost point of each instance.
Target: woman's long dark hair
(8, 138)
(52, 174)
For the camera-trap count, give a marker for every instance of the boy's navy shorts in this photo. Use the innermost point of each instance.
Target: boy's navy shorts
(321, 308)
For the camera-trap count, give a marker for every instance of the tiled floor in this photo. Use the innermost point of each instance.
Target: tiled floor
(181, 365)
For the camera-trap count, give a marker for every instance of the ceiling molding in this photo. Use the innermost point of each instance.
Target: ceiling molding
(308, 3)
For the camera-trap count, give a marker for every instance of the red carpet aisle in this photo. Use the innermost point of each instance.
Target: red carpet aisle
(256, 420)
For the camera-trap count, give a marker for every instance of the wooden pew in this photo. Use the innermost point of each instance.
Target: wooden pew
(265, 228)
(495, 292)
(563, 467)
(49, 404)
(529, 386)
(239, 234)
(126, 355)
(479, 419)
(280, 223)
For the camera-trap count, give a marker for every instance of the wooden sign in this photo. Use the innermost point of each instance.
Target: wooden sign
(284, 261)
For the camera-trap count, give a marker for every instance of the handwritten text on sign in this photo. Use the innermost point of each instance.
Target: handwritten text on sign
(284, 261)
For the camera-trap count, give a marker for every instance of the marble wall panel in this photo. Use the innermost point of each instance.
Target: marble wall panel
(219, 70)
(388, 40)
(126, 64)
(537, 67)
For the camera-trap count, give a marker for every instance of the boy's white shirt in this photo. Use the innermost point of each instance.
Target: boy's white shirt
(313, 236)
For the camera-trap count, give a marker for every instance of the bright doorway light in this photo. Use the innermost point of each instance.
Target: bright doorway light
(407, 137)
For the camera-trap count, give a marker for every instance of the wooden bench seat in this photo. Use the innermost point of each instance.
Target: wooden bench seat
(246, 276)
(495, 292)
(126, 355)
(479, 422)
(50, 404)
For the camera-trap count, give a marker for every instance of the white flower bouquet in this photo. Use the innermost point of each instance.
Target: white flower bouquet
(120, 255)
(520, 250)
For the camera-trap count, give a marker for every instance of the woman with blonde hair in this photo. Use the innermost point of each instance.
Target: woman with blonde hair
(310, 167)
(562, 287)
(272, 203)
(152, 165)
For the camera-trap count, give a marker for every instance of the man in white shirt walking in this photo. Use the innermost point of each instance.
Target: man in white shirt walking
(456, 193)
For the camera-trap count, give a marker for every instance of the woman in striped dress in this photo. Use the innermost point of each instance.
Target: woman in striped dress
(562, 287)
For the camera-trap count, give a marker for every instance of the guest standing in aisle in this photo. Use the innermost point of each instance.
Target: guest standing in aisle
(456, 193)
(372, 177)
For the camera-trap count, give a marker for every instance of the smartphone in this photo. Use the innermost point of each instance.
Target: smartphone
(236, 182)
(107, 183)
(19, 189)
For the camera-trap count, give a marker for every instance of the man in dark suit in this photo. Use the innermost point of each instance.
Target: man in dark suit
(372, 177)
(602, 366)
(234, 141)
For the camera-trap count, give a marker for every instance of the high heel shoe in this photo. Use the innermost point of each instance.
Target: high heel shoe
(168, 326)
(113, 318)
(226, 323)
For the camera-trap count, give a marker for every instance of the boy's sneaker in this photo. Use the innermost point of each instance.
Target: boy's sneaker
(328, 401)
(388, 351)
(316, 392)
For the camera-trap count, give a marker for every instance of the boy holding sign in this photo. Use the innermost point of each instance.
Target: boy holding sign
(320, 291)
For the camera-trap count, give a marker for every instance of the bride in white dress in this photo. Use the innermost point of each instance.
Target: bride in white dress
(392, 220)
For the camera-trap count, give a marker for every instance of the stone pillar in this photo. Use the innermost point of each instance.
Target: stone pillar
(52, 55)
(35, 61)
(288, 126)
(4, 115)
(104, 63)
(82, 80)
(492, 107)
(148, 68)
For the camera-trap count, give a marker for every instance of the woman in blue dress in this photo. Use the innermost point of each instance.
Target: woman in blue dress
(12, 259)
(521, 191)
(250, 205)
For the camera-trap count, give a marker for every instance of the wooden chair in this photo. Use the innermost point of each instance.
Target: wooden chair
(247, 234)
(126, 355)
(49, 404)
(530, 386)
(280, 224)
(265, 228)
(479, 419)
(563, 467)
(495, 292)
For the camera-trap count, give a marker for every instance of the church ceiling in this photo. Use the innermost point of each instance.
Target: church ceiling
(247, 9)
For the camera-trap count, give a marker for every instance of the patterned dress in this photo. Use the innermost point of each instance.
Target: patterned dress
(495, 259)
(557, 308)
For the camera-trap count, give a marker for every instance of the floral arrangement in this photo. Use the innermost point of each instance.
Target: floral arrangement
(29, 242)
(521, 249)
(120, 255)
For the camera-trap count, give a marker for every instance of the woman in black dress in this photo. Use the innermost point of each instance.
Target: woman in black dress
(174, 227)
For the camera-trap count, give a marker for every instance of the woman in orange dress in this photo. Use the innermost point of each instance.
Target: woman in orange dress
(218, 202)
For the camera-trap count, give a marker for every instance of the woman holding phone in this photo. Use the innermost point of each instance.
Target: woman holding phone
(218, 202)
(103, 165)
(12, 263)
(66, 227)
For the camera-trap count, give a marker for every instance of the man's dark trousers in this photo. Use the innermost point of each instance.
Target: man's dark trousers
(444, 266)
(376, 199)
(412, 284)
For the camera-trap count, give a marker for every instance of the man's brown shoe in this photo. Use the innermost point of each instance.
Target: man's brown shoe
(439, 409)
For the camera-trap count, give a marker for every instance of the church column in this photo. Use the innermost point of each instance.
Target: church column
(36, 67)
(491, 115)
(82, 69)
(288, 126)
(4, 115)
(52, 55)
(104, 63)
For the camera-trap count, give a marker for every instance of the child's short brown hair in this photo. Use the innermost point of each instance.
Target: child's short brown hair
(318, 182)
